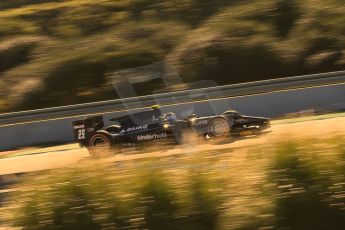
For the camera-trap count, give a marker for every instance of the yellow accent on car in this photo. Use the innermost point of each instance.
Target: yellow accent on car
(155, 107)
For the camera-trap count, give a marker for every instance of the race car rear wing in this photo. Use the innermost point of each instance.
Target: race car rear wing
(84, 129)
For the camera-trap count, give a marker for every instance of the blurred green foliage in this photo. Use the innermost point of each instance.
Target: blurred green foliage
(295, 184)
(311, 187)
(14, 56)
(93, 198)
(81, 41)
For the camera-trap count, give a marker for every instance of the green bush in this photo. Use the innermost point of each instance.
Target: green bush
(225, 41)
(286, 14)
(308, 188)
(86, 75)
(296, 184)
(70, 199)
(158, 204)
(15, 55)
(223, 62)
(94, 198)
(9, 4)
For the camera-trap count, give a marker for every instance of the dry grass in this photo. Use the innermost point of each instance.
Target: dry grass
(286, 181)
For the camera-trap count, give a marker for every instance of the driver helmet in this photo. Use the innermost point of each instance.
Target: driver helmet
(170, 117)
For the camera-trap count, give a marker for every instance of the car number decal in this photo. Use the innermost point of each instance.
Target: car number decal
(81, 134)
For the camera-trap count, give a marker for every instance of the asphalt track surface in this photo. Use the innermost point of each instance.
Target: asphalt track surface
(37, 159)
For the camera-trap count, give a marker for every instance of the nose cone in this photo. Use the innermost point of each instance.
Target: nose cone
(265, 123)
(257, 119)
(268, 120)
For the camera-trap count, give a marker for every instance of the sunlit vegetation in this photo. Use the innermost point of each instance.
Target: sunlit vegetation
(310, 182)
(82, 41)
(288, 184)
(98, 197)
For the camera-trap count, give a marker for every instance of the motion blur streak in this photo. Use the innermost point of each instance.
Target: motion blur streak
(54, 157)
(56, 53)
(257, 182)
(69, 52)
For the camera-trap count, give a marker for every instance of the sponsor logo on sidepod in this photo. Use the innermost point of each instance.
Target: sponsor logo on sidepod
(151, 136)
(137, 128)
(201, 122)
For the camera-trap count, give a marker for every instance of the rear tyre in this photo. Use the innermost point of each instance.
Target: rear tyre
(218, 128)
(100, 144)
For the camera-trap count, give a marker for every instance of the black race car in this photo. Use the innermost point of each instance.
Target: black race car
(153, 125)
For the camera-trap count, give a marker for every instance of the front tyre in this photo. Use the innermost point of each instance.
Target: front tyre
(218, 128)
